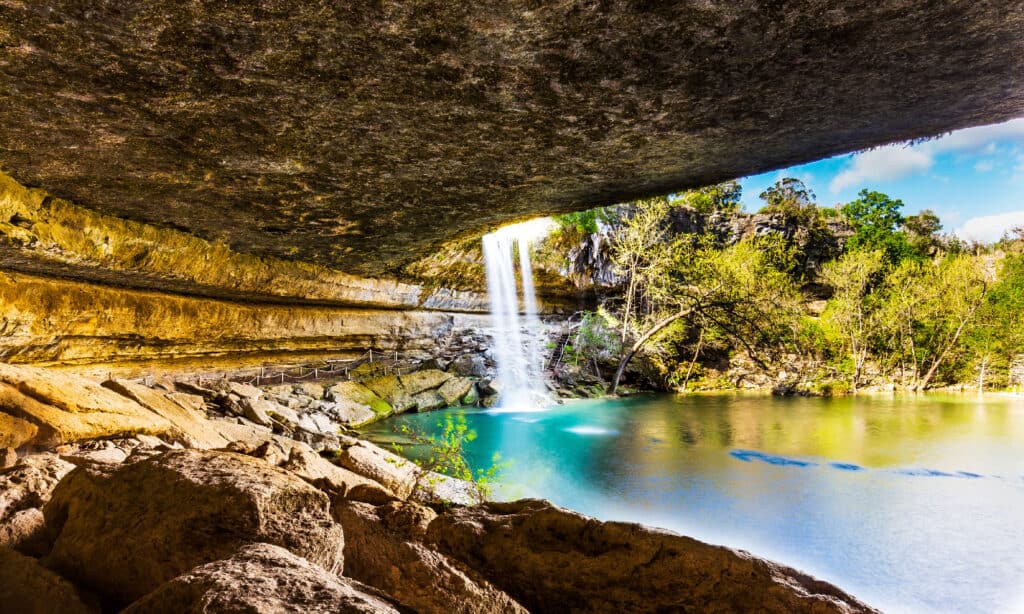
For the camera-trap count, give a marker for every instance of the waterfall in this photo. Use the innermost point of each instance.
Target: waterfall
(517, 355)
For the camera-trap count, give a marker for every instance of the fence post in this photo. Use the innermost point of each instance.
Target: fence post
(371, 354)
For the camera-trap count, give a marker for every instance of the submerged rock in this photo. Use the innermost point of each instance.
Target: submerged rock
(262, 579)
(125, 531)
(555, 560)
(385, 550)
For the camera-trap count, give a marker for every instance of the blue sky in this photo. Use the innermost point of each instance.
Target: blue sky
(973, 179)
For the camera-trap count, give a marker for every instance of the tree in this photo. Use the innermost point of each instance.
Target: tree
(787, 195)
(724, 197)
(923, 232)
(852, 309)
(669, 279)
(876, 218)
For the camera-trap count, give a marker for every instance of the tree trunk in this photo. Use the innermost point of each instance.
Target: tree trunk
(658, 326)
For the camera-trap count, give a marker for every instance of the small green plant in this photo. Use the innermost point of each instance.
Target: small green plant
(445, 453)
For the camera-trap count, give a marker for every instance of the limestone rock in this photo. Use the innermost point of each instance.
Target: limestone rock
(469, 365)
(257, 410)
(8, 457)
(555, 560)
(427, 379)
(26, 587)
(390, 389)
(350, 394)
(310, 389)
(125, 531)
(261, 579)
(23, 489)
(428, 400)
(245, 391)
(384, 549)
(322, 473)
(193, 426)
(15, 432)
(66, 407)
(396, 473)
(403, 477)
(453, 390)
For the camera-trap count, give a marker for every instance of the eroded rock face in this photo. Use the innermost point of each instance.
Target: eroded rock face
(124, 531)
(359, 135)
(384, 549)
(263, 579)
(554, 560)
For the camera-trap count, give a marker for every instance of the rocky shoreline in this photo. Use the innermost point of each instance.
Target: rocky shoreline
(180, 498)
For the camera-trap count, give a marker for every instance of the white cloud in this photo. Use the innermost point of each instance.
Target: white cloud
(984, 166)
(898, 161)
(989, 228)
(892, 162)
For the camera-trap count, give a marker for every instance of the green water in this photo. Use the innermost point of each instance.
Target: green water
(913, 504)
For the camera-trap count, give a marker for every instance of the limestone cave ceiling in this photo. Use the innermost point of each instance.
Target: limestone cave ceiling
(359, 135)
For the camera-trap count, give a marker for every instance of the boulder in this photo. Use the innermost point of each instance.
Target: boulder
(195, 431)
(394, 472)
(428, 400)
(384, 549)
(322, 473)
(24, 488)
(391, 390)
(66, 407)
(469, 365)
(15, 432)
(257, 410)
(8, 457)
(453, 390)
(353, 395)
(426, 379)
(26, 587)
(309, 389)
(245, 391)
(472, 397)
(262, 579)
(555, 560)
(125, 531)
(403, 477)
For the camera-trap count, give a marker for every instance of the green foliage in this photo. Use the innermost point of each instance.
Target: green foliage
(445, 453)
(923, 232)
(876, 220)
(724, 197)
(583, 222)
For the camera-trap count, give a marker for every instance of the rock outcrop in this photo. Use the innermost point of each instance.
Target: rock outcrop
(24, 490)
(263, 579)
(554, 560)
(128, 530)
(385, 549)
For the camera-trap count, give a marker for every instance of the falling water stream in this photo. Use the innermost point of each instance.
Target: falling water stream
(517, 350)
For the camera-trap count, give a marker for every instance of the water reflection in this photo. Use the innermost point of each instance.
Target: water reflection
(913, 503)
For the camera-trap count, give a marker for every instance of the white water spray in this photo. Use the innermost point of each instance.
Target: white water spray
(517, 354)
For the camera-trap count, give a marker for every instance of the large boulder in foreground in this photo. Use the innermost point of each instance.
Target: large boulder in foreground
(26, 587)
(262, 579)
(555, 560)
(384, 549)
(124, 531)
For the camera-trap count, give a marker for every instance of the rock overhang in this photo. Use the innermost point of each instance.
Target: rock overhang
(361, 135)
